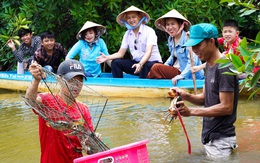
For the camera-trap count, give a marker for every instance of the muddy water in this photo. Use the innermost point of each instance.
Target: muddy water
(127, 120)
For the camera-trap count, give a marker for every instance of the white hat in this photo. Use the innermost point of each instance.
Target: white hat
(100, 28)
(121, 16)
(171, 14)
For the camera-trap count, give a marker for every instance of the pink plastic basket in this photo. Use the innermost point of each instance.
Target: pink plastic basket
(130, 153)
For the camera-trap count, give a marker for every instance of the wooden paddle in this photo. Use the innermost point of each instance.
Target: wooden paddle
(193, 74)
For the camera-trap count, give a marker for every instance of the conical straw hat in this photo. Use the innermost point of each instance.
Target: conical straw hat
(171, 14)
(100, 28)
(121, 16)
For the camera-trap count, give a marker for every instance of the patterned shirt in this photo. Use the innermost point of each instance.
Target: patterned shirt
(228, 46)
(58, 55)
(25, 53)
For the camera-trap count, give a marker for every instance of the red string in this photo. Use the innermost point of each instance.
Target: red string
(184, 129)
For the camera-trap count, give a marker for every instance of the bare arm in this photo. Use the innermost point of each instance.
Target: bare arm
(197, 99)
(11, 44)
(104, 58)
(32, 90)
(198, 68)
(225, 107)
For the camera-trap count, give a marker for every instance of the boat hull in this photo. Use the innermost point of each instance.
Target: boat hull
(129, 86)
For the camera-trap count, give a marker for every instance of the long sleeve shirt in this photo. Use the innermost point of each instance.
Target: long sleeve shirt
(183, 58)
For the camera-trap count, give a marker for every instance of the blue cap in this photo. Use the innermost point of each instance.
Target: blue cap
(201, 31)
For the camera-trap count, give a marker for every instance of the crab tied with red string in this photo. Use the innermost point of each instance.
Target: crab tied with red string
(175, 97)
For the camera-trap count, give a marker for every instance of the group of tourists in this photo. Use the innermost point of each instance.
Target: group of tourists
(139, 39)
(186, 43)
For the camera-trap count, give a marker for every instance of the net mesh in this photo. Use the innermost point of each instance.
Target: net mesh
(60, 109)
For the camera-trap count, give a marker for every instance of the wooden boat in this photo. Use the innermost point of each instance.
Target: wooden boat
(129, 86)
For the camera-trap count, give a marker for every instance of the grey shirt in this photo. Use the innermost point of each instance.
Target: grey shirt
(216, 82)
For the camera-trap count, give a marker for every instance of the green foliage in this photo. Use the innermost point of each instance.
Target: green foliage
(251, 56)
(65, 18)
(16, 23)
(249, 51)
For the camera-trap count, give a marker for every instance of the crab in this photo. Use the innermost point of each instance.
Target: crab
(175, 97)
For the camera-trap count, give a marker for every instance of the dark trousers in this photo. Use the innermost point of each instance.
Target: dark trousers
(118, 66)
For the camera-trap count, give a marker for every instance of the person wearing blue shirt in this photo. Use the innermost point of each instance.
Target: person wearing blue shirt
(178, 65)
(89, 47)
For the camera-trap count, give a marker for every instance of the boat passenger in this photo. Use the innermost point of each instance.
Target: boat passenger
(178, 65)
(140, 39)
(50, 54)
(25, 52)
(89, 47)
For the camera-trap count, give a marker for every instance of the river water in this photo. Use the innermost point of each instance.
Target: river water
(128, 120)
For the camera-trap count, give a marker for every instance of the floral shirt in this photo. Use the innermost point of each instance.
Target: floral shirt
(58, 55)
(228, 46)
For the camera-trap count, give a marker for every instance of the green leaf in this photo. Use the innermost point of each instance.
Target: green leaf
(229, 73)
(243, 43)
(255, 50)
(224, 65)
(236, 60)
(231, 3)
(234, 70)
(253, 94)
(5, 37)
(248, 12)
(247, 5)
(257, 57)
(255, 79)
(222, 60)
(257, 38)
(244, 51)
(248, 62)
(241, 69)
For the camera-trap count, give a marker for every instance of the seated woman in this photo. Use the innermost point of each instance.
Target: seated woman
(178, 64)
(89, 47)
(140, 39)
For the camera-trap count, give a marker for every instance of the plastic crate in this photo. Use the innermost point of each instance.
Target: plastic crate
(130, 153)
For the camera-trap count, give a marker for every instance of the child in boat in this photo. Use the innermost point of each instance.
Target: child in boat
(178, 64)
(50, 54)
(140, 39)
(89, 47)
(24, 53)
(230, 41)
